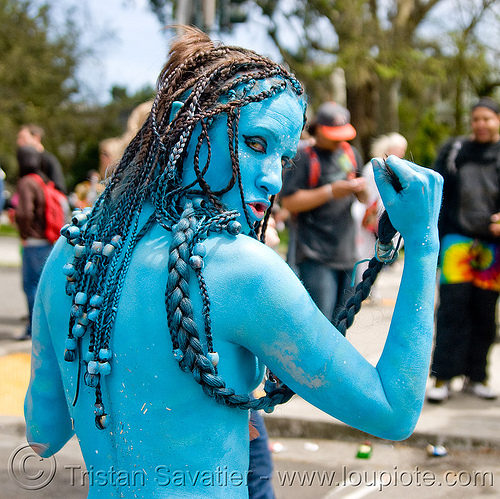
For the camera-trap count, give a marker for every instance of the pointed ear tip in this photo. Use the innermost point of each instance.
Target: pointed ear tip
(176, 106)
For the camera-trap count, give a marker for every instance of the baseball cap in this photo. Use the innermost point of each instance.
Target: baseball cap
(487, 102)
(334, 121)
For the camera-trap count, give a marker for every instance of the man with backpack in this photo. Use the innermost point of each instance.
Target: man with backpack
(469, 255)
(319, 190)
(32, 135)
(37, 217)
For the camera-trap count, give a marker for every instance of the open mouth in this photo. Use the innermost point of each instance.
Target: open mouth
(259, 209)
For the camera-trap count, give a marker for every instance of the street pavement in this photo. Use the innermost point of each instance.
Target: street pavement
(298, 431)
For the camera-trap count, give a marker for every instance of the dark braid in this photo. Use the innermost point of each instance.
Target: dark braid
(212, 83)
(386, 254)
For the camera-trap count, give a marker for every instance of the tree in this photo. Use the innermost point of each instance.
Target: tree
(389, 50)
(37, 70)
(422, 57)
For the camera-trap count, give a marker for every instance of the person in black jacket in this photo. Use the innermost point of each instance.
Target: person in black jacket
(470, 255)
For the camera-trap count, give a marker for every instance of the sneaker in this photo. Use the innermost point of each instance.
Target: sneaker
(481, 390)
(439, 392)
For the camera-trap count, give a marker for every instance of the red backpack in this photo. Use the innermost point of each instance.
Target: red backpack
(55, 202)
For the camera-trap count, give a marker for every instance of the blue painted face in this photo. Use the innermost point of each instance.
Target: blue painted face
(268, 136)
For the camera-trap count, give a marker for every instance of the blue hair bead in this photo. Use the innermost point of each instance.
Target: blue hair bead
(70, 288)
(64, 230)
(196, 262)
(79, 250)
(78, 330)
(199, 249)
(93, 314)
(69, 355)
(98, 409)
(69, 270)
(178, 354)
(91, 380)
(213, 357)
(90, 269)
(88, 356)
(96, 248)
(81, 298)
(79, 218)
(108, 250)
(93, 367)
(87, 210)
(72, 232)
(104, 368)
(93, 229)
(70, 343)
(76, 311)
(102, 421)
(116, 240)
(234, 227)
(197, 202)
(96, 301)
(83, 320)
(268, 410)
(105, 354)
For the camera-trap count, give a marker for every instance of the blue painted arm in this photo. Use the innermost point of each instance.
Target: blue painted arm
(48, 423)
(283, 327)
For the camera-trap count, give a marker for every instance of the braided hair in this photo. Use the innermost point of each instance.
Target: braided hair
(211, 81)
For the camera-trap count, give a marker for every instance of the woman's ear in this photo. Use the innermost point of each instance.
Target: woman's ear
(176, 105)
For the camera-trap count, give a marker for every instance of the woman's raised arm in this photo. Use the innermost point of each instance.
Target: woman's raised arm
(276, 319)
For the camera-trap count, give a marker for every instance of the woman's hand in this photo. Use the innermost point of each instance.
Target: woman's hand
(414, 210)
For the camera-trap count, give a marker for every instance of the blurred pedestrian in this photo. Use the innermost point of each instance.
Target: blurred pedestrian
(110, 152)
(470, 255)
(320, 189)
(30, 220)
(32, 135)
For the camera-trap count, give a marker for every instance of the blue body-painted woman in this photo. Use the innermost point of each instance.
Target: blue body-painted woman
(165, 273)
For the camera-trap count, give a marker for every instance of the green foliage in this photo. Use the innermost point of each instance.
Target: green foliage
(37, 70)
(38, 84)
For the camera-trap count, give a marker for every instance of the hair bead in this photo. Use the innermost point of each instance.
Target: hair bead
(200, 250)
(81, 298)
(105, 354)
(79, 218)
(79, 250)
(69, 355)
(96, 248)
(234, 227)
(196, 262)
(104, 368)
(78, 330)
(96, 301)
(213, 357)
(91, 380)
(90, 268)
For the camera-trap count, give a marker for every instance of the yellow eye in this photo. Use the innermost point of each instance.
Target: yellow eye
(257, 144)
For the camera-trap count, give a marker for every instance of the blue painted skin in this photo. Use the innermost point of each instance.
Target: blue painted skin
(166, 437)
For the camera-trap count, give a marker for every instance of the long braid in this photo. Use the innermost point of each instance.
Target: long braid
(385, 254)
